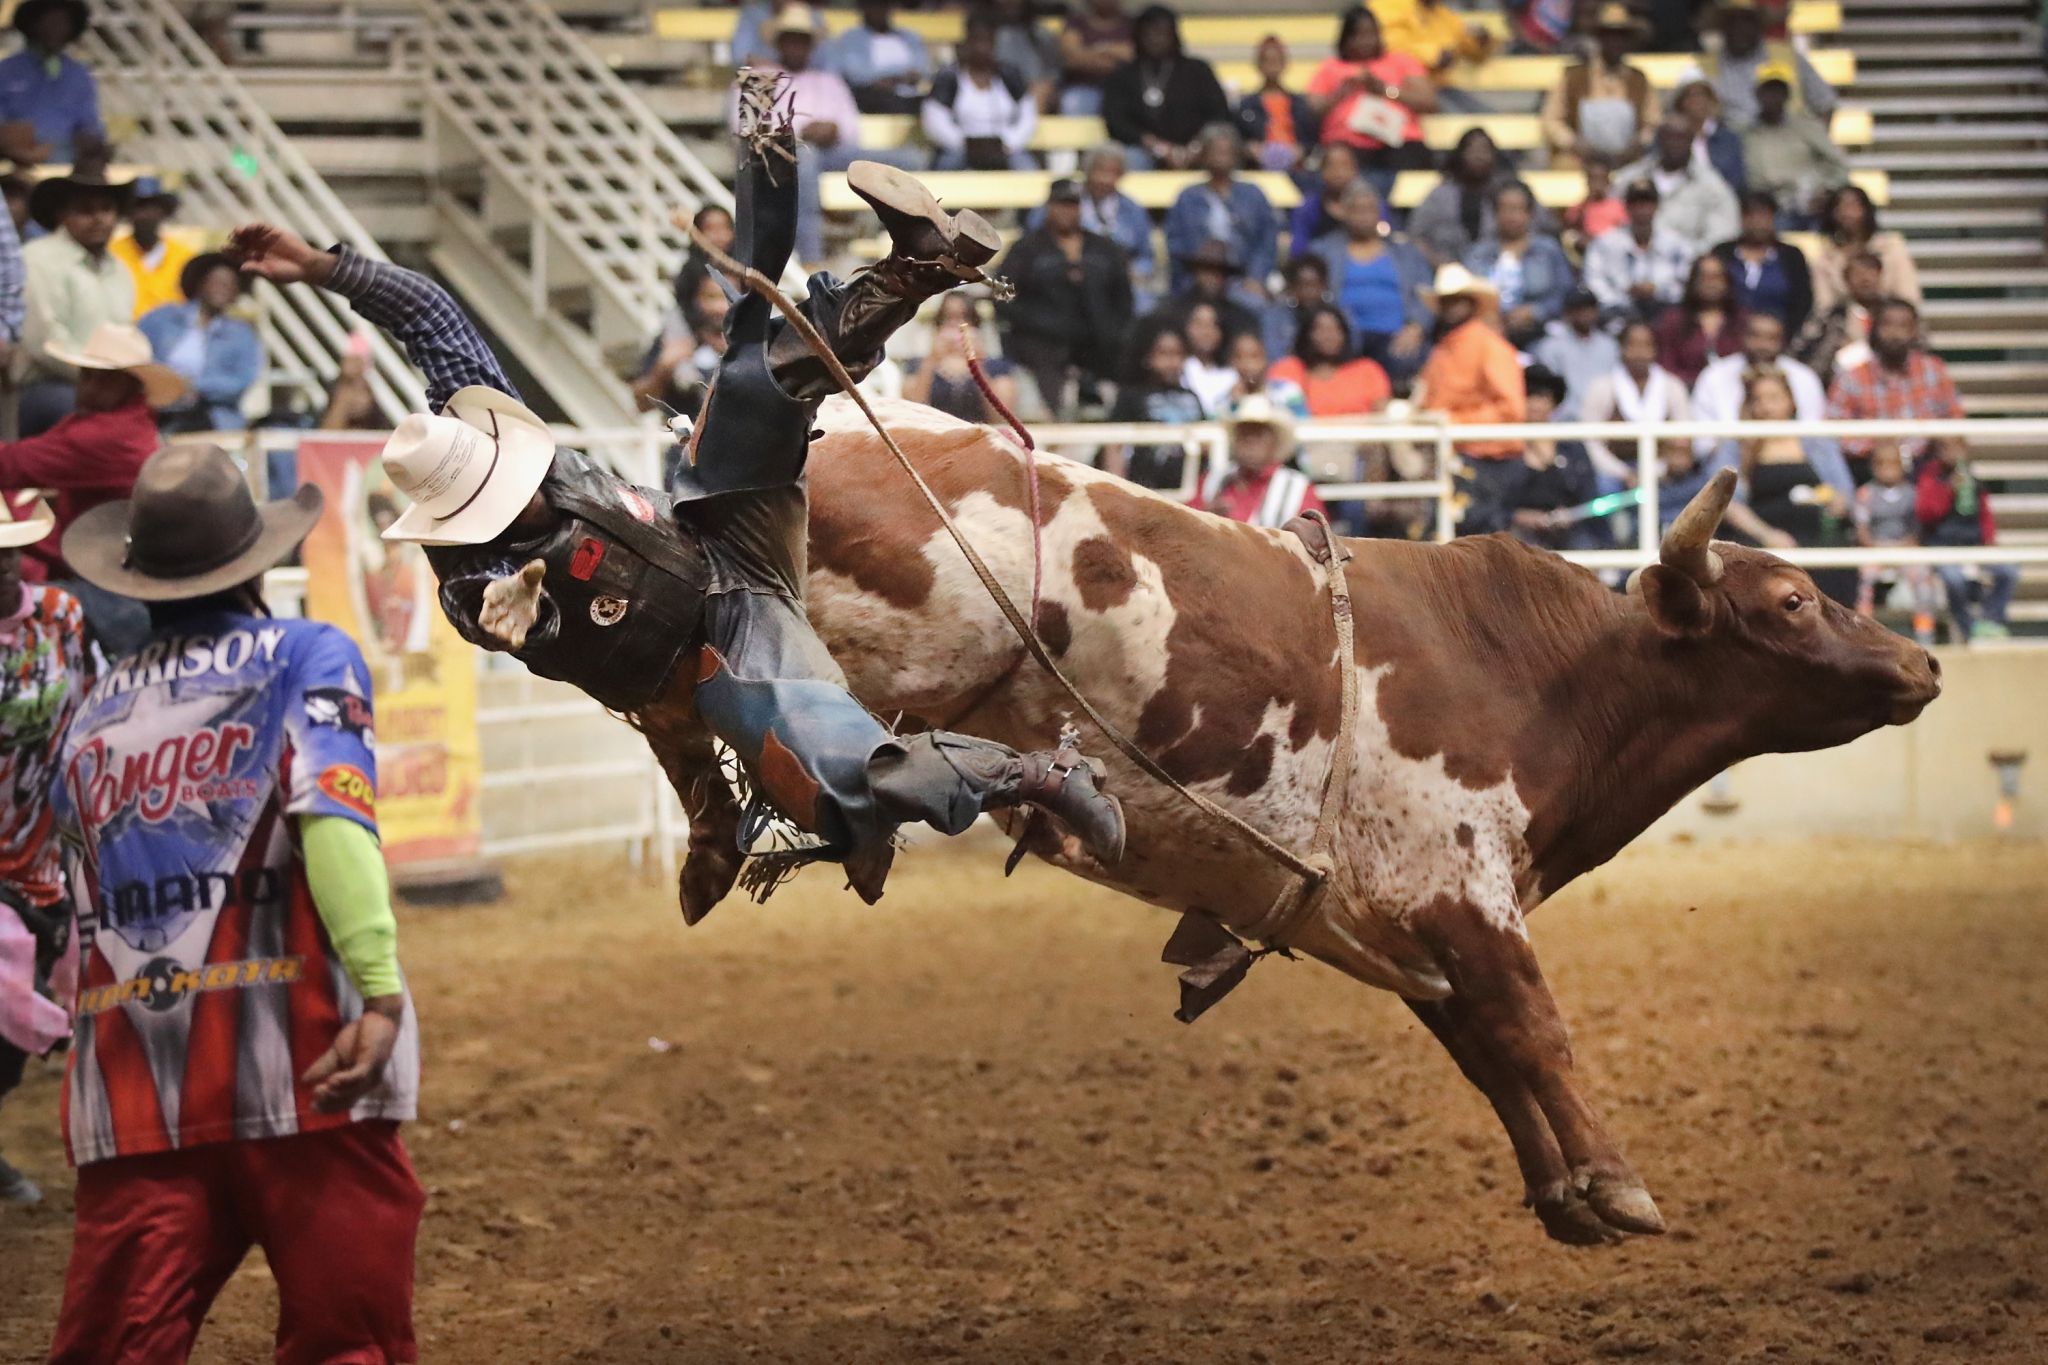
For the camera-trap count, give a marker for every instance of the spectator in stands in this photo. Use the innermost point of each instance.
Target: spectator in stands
(827, 122)
(1557, 478)
(91, 456)
(1153, 392)
(1474, 376)
(1886, 514)
(1849, 225)
(1718, 394)
(1253, 364)
(1789, 153)
(1768, 273)
(1335, 381)
(1259, 484)
(885, 66)
(1704, 325)
(1699, 104)
(1744, 54)
(157, 262)
(13, 298)
(1838, 339)
(1794, 490)
(1682, 477)
(1542, 26)
(1459, 211)
(74, 287)
(1108, 212)
(51, 93)
(1379, 279)
(17, 187)
(1095, 42)
(218, 355)
(1575, 349)
(1638, 269)
(1223, 208)
(1438, 37)
(1954, 511)
(1212, 273)
(1208, 373)
(1027, 48)
(1637, 390)
(1316, 214)
(1527, 269)
(680, 366)
(753, 36)
(351, 403)
(1279, 126)
(1371, 98)
(980, 116)
(1602, 106)
(1901, 380)
(1072, 305)
(716, 225)
(1158, 103)
(942, 379)
(1695, 204)
(1307, 284)
(1600, 211)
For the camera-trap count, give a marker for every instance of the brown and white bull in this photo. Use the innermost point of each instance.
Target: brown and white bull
(1518, 724)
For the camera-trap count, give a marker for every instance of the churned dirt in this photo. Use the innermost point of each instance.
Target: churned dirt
(962, 1126)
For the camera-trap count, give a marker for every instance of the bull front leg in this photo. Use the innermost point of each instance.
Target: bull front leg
(1506, 1022)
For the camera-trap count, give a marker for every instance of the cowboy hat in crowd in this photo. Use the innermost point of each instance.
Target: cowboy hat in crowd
(24, 520)
(30, 13)
(117, 346)
(48, 200)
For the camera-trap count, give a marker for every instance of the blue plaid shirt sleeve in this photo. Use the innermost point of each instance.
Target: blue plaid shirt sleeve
(13, 282)
(438, 337)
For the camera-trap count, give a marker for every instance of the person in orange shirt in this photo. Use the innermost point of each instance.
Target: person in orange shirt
(1473, 376)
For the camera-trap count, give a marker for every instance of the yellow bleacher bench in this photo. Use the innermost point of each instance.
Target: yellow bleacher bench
(1510, 132)
(992, 190)
(1199, 33)
(1563, 189)
(1835, 65)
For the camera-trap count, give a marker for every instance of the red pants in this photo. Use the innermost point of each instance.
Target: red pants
(157, 1236)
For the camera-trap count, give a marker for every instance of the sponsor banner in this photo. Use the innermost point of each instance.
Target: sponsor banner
(383, 593)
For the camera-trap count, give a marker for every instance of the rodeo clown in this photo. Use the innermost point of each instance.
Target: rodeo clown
(639, 593)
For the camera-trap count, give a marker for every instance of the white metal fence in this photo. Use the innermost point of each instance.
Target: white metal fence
(652, 828)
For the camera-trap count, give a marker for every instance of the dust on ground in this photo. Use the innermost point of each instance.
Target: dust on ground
(962, 1126)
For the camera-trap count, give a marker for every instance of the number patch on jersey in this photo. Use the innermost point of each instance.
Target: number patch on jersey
(347, 784)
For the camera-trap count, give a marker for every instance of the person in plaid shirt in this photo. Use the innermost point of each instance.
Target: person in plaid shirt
(1637, 270)
(1899, 380)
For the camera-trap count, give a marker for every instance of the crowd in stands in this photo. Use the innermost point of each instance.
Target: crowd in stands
(1721, 264)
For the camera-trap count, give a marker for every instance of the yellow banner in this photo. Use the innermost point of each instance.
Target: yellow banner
(383, 593)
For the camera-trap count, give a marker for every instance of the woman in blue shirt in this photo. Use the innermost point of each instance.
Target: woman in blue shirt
(219, 355)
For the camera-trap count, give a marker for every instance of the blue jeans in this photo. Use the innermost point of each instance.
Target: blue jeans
(957, 161)
(811, 162)
(2001, 581)
(1081, 101)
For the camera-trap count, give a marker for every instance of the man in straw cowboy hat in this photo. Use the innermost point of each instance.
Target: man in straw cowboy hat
(1602, 106)
(1473, 375)
(638, 597)
(50, 92)
(92, 456)
(44, 674)
(1258, 485)
(75, 285)
(245, 1046)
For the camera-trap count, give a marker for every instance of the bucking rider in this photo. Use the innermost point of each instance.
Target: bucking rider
(640, 593)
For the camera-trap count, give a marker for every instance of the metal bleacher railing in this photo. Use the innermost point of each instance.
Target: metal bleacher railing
(195, 118)
(656, 824)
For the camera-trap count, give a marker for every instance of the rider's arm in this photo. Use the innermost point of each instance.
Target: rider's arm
(437, 335)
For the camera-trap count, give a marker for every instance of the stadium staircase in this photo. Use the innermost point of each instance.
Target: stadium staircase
(192, 115)
(1959, 101)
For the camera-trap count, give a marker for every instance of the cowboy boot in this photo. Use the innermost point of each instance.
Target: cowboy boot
(931, 251)
(946, 779)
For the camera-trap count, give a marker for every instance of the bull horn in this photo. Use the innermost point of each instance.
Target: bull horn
(1687, 545)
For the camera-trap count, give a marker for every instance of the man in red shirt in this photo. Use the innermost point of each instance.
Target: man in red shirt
(1952, 510)
(1258, 486)
(1899, 380)
(91, 457)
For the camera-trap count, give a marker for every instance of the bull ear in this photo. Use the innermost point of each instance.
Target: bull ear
(1679, 607)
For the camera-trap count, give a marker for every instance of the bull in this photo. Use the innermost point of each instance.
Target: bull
(1518, 723)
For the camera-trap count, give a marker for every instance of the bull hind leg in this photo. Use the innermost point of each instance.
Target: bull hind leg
(1509, 1016)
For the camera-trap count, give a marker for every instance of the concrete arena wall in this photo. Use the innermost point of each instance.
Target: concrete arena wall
(1930, 780)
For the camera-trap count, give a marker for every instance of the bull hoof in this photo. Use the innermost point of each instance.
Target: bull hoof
(1624, 1204)
(1567, 1219)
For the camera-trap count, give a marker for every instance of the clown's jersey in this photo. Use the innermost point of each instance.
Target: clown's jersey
(207, 984)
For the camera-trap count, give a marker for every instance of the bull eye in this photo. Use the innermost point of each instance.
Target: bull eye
(1794, 601)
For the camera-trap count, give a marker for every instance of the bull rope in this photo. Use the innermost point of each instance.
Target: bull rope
(1293, 907)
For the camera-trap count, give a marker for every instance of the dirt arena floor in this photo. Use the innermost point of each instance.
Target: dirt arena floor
(963, 1126)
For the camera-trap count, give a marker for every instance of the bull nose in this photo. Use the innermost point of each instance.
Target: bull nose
(1933, 664)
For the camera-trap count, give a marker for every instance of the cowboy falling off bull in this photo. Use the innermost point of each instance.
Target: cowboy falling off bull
(657, 604)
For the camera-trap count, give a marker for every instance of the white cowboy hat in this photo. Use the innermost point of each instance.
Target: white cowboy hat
(468, 471)
(24, 520)
(1259, 410)
(1455, 281)
(117, 346)
(793, 19)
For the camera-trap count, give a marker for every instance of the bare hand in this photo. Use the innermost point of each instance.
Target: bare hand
(1408, 340)
(512, 604)
(821, 133)
(1645, 290)
(353, 1066)
(277, 255)
(1780, 540)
